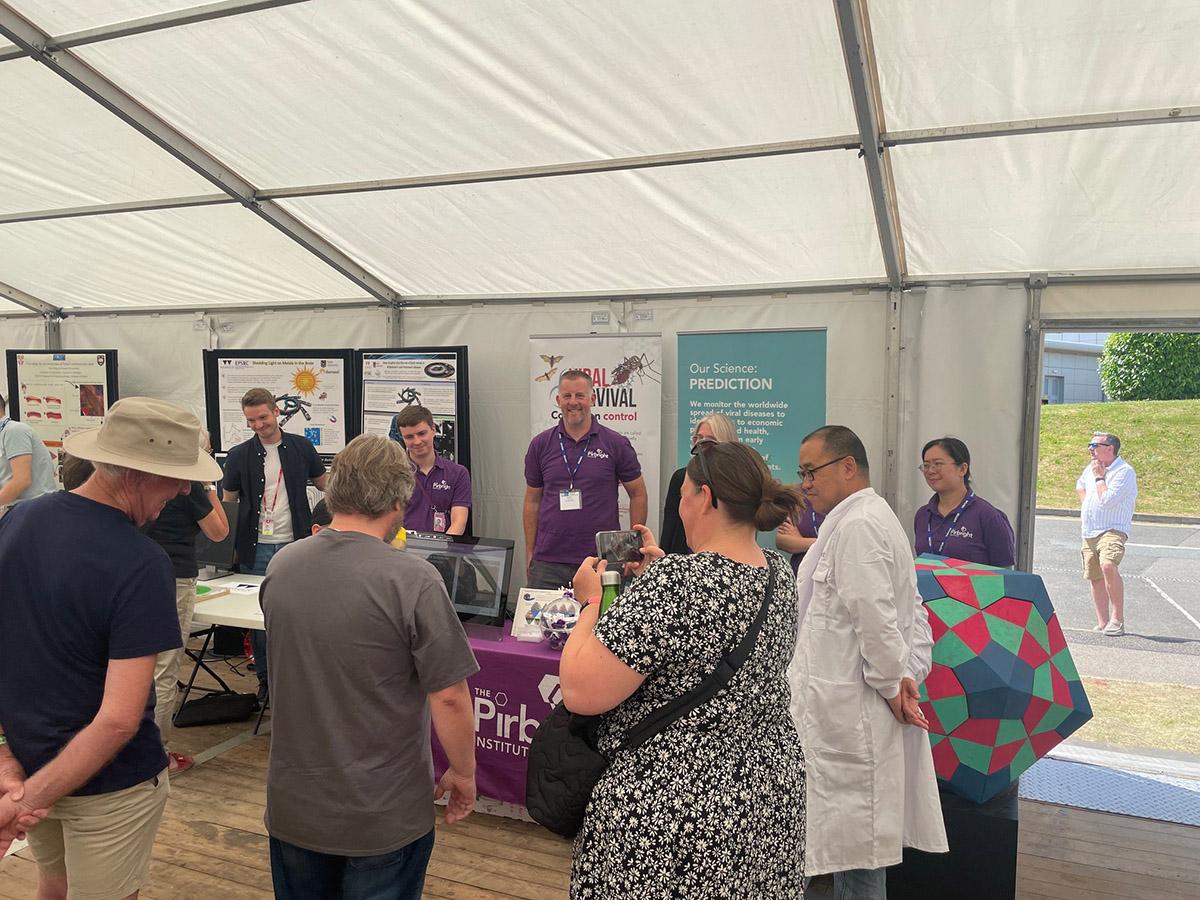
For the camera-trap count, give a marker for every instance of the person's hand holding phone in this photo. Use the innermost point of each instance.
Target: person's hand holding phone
(650, 551)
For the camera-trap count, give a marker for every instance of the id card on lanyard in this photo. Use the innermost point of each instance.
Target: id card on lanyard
(571, 498)
(266, 523)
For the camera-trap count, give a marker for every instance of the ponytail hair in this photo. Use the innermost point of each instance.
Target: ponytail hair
(744, 487)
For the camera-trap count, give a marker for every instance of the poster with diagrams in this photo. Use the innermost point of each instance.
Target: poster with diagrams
(311, 389)
(58, 392)
(433, 377)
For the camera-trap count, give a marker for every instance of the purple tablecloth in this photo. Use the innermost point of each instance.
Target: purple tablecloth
(515, 688)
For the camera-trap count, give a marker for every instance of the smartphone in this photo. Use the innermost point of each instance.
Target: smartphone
(619, 547)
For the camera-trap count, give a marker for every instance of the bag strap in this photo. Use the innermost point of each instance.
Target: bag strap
(659, 719)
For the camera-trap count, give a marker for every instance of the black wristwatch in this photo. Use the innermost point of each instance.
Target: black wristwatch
(1099, 477)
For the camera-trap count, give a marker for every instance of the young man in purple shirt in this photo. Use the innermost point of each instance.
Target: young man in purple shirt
(571, 474)
(441, 498)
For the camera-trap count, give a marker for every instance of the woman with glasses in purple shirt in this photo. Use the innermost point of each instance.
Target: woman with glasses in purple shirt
(956, 522)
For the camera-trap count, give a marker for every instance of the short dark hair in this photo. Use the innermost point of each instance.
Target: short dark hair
(743, 485)
(840, 440)
(1112, 439)
(957, 452)
(576, 373)
(259, 397)
(321, 515)
(75, 471)
(3, 404)
(412, 416)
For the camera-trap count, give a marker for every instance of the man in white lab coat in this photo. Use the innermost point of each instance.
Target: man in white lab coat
(864, 645)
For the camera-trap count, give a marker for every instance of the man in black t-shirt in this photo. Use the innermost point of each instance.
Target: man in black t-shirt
(85, 610)
(175, 531)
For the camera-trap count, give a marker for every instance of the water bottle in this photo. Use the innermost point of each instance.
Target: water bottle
(610, 583)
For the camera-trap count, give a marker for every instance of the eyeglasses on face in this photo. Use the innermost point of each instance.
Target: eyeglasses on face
(933, 465)
(698, 449)
(1094, 444)
(808, 474)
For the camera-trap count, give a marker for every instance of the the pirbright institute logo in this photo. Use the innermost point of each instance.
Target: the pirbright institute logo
(551, 690)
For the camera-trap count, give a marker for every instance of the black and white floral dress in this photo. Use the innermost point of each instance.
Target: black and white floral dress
(714, 805)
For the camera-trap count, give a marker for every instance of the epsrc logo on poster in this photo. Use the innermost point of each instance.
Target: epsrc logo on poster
(500, 730)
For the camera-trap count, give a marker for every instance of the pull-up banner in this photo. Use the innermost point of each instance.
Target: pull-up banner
(770, 383)
(626, 372)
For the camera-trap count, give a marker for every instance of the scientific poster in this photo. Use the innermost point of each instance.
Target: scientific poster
(433, 377)
(770, 383)
(626, 372)
(311, 388)
(58, 392)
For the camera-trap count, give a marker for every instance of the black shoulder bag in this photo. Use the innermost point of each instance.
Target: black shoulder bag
(564, 763)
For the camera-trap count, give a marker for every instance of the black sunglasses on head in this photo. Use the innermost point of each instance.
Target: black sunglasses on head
(698, 449)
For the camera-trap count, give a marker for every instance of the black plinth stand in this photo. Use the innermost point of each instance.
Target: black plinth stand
(982, 862)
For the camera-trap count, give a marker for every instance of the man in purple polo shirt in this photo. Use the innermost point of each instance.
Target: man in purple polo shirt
(571, 474)
(441, 497)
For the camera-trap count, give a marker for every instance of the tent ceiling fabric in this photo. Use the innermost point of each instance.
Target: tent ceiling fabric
(946, 62)
(59, 148)
(1052, 202)
(400, 89)
(336, 91)
(62, 16)
(788, 219)
(194, 257)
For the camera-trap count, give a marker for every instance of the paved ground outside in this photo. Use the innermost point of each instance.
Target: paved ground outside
(1162, 601)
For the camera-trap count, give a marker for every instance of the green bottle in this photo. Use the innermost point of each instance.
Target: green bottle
(611, 586)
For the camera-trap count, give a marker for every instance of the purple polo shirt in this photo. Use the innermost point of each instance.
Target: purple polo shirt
(982, 533)
(808, 523)
(567, 536)
(447, 484)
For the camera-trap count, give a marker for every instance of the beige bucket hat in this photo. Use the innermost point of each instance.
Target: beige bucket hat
(150, 436)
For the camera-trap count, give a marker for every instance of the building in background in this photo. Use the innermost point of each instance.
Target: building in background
(1070, 367)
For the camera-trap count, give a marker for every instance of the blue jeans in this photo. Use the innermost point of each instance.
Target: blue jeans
(299, 874)
(860, 884)
(258, 639)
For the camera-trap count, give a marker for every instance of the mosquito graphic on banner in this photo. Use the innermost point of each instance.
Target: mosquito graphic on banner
(626, 372)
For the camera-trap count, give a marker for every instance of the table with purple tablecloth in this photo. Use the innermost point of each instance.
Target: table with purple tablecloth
(515, 688)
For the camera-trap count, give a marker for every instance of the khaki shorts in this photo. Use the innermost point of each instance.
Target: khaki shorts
(1108, 547)
(102, 842)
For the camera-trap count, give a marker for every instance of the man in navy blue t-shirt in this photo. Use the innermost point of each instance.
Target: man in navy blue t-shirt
(87, 605)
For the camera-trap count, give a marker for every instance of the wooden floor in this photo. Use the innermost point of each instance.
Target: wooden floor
(212, 843)
(1069, 853)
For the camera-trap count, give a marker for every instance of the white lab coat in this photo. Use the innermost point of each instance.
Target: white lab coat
(871, 785)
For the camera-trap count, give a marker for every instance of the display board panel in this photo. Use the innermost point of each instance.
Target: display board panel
(476, 572)
(433, 377)
(56, 392)
(626, 372)
(313, 389)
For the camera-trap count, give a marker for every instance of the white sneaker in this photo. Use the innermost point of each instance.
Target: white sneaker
(1098, 628)
(1114, 628)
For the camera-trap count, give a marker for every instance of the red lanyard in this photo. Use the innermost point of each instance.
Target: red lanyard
(275, 496)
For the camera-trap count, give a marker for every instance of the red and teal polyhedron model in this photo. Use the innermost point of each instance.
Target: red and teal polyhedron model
(1003, 690)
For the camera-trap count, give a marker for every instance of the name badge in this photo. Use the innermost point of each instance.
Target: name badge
(266, 526)
(572, 499)
(439, 521)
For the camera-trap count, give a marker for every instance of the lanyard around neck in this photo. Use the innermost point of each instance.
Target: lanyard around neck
(571, 473)
(950, 527)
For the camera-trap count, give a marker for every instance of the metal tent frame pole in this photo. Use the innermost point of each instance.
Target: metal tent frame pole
(86, 79)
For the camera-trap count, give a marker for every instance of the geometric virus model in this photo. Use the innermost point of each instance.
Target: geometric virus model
(1003, 690)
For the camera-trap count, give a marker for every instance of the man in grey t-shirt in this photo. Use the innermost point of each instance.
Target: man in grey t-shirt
(364, 648)
(26, 466)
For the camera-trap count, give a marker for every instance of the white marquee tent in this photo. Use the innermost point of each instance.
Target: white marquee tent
(937, 182)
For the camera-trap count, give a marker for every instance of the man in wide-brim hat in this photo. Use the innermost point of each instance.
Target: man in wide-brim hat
(86, 606)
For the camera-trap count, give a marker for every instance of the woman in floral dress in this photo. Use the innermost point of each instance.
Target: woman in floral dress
(713, 806)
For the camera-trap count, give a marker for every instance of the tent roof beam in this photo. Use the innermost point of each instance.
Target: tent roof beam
(868, 111)
(31, 303)
(86, 79)
(160, 22)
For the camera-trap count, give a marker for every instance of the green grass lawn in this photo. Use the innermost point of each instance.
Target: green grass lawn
(1134, 714)
(1159, 438)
